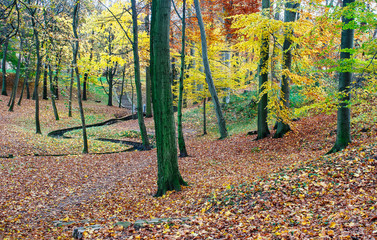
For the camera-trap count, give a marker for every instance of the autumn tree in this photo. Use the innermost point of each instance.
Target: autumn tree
(343, 133)
(289, 16)
(75, 22)
(263, 76)
(220, 118)
(169, 177)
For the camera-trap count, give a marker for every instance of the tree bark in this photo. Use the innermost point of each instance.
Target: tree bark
(289, 16)
(135, 46)
(211, 87)
(169, 177)
(343, 133)
(181, 139)
(263, 78)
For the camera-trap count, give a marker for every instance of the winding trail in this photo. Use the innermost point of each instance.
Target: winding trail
(135, 145)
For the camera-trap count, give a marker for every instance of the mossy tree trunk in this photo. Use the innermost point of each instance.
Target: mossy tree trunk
(169, 177)
(289, 16)
(343, 133)
(263, 77)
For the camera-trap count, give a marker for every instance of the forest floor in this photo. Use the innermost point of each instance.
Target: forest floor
(239, 188)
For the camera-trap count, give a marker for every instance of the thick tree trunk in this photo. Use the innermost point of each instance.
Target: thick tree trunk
(181, 139)
(135, 46)
(75, 22)
(4, 69)
(263, 78)
(169, 177)
(343, 133)
(211, 87)
(289, 16)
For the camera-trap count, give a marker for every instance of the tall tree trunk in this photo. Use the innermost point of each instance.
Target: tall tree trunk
(37, 76)
(85, 83)
(52, 91)
(26, 79)
(211, 87)
(4, 69)
(135, 46)
(75, 22)
(181, 139)
(343, 133)
(289, 16)
(263, 78)
(16, 80)
(169, 177)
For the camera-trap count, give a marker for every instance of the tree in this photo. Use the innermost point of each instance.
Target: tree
(169, 177)
(343, 131)
(75, 22)
(289, 16)
(33, 12)
(220, 118)
(135, 46)
(263, 77)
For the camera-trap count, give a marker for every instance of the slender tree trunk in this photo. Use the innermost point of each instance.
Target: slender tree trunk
(211, 87)
(37, 76)
(27, 89)
(169, 177)
(16, 80)
(26, 79)
(204, 116)
(263, 79)
(70, 94)
(75, 22)
(181, 139)
(44, 92)
(52, 90)
(85, 83)
(343, 133)
(148, 94)
(148, 88)
(4, 69)
(289, 16)
(122, 88)
(135, 46)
